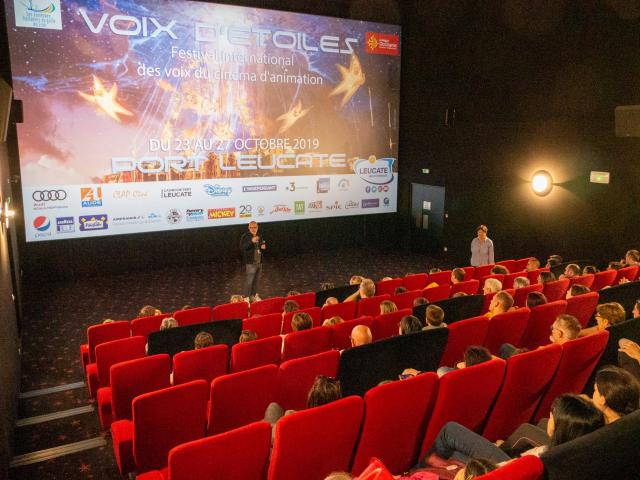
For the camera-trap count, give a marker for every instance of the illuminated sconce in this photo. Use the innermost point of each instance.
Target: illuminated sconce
(541, 183)
(6, 214)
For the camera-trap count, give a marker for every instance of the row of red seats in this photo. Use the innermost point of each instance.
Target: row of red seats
(345, 434)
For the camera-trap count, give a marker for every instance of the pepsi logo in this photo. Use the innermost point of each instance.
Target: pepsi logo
(41, 223)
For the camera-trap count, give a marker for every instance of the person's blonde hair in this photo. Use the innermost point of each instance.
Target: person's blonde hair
(387, 306)
(368, 287)
(168, 322)
(493, 284)
(613, 312)
(330, 322)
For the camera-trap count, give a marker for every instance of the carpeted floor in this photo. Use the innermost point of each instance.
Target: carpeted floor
(57, 316)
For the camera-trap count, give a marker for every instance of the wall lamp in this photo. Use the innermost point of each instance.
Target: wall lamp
(541, 183)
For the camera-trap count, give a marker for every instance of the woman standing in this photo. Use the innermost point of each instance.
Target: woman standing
(481, 248)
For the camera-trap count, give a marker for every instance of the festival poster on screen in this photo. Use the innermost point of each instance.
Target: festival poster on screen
(149, 115)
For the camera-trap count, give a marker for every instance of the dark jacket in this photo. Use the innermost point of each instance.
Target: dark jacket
(247, 247)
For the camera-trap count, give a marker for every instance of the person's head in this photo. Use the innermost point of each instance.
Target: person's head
(434, 315)
(387, 306)
(491, 285)
(499, 270)
(367, 288)
(435, 270)
(535, 298)
(149, 311)
(482, 232)
(476, 467)
(459, 294)
(247, 336)
(107, 320)
(292, 293)
(290, 306)
(572, 270)
(608, 314)
(327, 286)
(577, 289)
(572, 417)
(589, 269)
(331, 301)
(409, 324)
(546, 277)
(330, 322)
(475, 355)
(501, 302)
(236, 299)
(253, 228)
(632, 257)
(565, 327)
(361, 335)
(616, 392)
(420, 301)
(324, 390)
(168, 322)
(301, 321)
(636, 309)
(355, 280)
(614, 265)
(203, 339)
(533, 264)
(457, 275)
(399, 290)
(554, 260)
(520, 282)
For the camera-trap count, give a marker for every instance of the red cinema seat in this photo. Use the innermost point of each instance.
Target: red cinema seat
(525, 380)
(415, 281)
(555, 290)
(441, 278)
(464, 396)
(586, 280)
(583, 306)
(405, 300)
(228, 311)
(264, 325)
(482, 271)
(370, 306)
(103, 332)
(388, 287)
(628, 273)
(205, 363)
(406, 429)
(508, 264)
(306, 342)
(603, 279)
(470, 273)
(341, 333)
(437, 293)
(528, 467)
(161, 420)
(497, 276)
(386, 325)
(533, 274)
(128, 380)
(470, 287)
(220, 456)
(329, 433)
(463, 334)
(304, 300)
(520, 296)
(507, 282)
(506, 328)
(579, 358)
(146, 325)
(241, 398)
(520, 264)
(315, 313)
(539, 327)
(267, 306)
(346, 310)
(295, 377)
(110, 353)
(192, 316)
(256, 353)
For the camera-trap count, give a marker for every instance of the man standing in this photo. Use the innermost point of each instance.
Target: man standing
(252, 246)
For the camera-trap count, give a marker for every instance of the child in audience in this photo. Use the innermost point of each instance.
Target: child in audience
(301, 321)
(203, 340)
(575, 290)
(149, 311)
(409, 324)
(387, 306)
(247, 336)
(473, 355)
(434, 317)
(168, 322)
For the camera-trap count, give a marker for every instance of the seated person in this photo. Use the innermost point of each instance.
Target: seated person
(576, 289)
(292, 293)
(636, 309)
(387, 306)
(553, 261)
(589, 269)
(435, 270)
(473, 355)
(565, 327)
(607, 314)
(502, 302)
(632, 257)
(247, 336)
(570, 271)
(290, 306)
(149, 311)
(629, 356)
(301, 321)
(491, 285)
(533, 264)
(457, 275)
(459, 294)
(367, 290)
(360, 335)
(355, 280)
(434, 317)
(546, 277)
(616, 393)
(399, 290)
(420, 301)
(614, 265)
(500, 270)
(535, 298)
(330, 301)
(409, 324)
(236, 299)
(330, 322)
(203, 340)
(168, 322)
(520, 282)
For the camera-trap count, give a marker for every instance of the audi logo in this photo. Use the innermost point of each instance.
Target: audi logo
(47, 195)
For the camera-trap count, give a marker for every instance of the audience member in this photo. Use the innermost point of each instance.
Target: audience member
(546, 277)
(616, 393)
(571, 270)
(330, 322)
(361, 335)
(409, 324)
(629, 356)
(420, 301)
(367, 290)
(355, 280)
(236, 299)
(290, 306)
(614, 265)
(327, 286)
(535, 298)
(491, 285)
(186, 307)
(459, 294)
(434, 317)
(330, 301)
(149, 311)
(476, 467)
(387, 306)
(589, 270)
(553, 261)
(247, 336)
(565, 328)
(107, 320)
(399, 290)
(457, 275)
(636, 309)
(168, 322)
(533, 264)
(632, 257)
(576, 289)
(434, 270)
(500, 303)
(203, 340)
(520, 282)
(292, 293)
(473, 355)
(301, 321)
(607, 314)
(499, 270)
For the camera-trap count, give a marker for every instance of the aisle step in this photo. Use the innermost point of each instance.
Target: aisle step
(55, 452)
(45, 391)
(54, 416)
